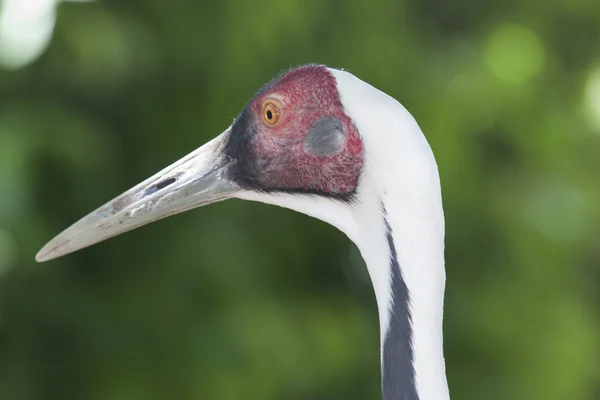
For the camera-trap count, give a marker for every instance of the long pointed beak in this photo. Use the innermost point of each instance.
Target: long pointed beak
(196, 180)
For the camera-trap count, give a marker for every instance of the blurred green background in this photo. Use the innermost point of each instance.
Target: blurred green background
(247, 301)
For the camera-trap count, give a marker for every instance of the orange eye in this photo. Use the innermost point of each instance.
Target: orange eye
(271, 111)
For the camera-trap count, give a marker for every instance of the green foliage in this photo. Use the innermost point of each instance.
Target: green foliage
(246, 301)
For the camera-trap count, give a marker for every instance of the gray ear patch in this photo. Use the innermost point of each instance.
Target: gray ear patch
(325, 137)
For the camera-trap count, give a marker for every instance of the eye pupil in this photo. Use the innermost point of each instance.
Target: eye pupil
(269, 115)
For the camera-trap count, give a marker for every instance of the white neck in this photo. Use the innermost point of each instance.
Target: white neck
(418, 239)
(401, 176)
(419, 255)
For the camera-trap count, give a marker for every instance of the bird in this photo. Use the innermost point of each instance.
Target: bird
(324, 143)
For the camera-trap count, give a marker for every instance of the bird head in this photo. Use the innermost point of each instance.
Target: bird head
(294, 136)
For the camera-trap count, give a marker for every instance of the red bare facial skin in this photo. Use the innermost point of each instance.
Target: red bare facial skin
(281, 160)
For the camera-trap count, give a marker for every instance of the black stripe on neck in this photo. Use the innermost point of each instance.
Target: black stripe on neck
(398, 373)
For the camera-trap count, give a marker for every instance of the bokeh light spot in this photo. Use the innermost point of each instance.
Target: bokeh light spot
(514, 53)
(592, 97)
(26, 28)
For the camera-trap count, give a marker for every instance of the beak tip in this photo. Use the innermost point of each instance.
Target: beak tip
(43, 255)
(49, 252)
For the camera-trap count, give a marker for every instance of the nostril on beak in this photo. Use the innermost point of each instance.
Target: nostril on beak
(160, 185)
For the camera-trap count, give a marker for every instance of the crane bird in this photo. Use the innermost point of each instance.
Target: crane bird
(322, 142)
